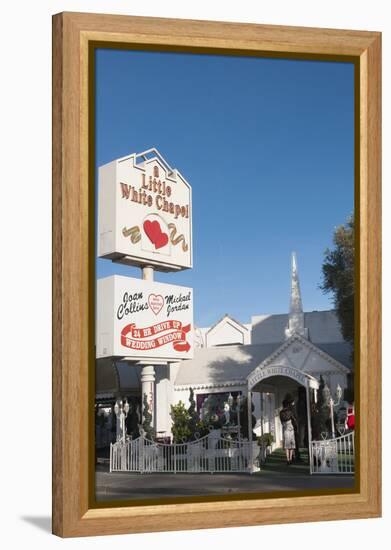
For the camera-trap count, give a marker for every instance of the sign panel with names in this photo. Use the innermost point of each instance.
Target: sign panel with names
(143, 320)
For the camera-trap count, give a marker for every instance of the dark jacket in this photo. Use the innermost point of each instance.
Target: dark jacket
(288, 414)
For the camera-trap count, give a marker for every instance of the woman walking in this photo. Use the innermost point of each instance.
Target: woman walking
(288, 421)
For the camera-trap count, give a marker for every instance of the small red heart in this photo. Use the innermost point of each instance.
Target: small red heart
(155, 234)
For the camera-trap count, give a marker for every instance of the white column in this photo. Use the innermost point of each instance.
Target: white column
(147, 273)
(118, 433)
(148, 389)
(250, 430)
(308, 397)
(148, 372)
(272, 427)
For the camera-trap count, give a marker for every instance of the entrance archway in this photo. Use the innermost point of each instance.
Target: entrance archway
(279, 380)
(272, 393)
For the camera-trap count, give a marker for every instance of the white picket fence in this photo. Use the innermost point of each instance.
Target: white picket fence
(333, 456)
(211, 454)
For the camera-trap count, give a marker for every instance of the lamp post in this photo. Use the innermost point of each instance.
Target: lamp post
(121, 410)
(331, 402)
(239, 404)
(230, 401)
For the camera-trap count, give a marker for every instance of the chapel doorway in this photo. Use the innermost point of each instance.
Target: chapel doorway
(273, 391)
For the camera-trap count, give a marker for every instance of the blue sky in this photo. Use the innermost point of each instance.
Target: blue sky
(268, 148)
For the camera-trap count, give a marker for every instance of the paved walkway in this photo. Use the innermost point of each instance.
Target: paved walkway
(276, 462)
(124, 485)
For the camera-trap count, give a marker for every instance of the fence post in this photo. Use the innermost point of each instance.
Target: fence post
(174, 458)
(326, 455)
(352, 461)
(141, 452)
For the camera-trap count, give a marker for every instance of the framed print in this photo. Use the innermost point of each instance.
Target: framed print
(216, 274)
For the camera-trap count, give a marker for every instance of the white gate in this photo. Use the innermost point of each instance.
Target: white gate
(211, 453)
(333, 456)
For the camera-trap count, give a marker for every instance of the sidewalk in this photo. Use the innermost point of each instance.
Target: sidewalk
(125, 485)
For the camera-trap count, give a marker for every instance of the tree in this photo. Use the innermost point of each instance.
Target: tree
(180, 423)
(185, 421)
(338, 277)
(149, 432)
(321, 412)
(244, 419)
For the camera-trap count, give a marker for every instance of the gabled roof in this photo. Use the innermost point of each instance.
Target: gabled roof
(306, 343)
(231, 365)
(224, 318)
(340, 351)
(222, 365)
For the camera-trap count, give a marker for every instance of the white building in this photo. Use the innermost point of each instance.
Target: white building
(271, 356)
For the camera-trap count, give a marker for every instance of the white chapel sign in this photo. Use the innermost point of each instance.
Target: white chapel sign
(278, 370)
(143, 319)
(144, 213)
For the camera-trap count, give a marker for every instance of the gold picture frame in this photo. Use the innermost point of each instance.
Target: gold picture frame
(75, 35)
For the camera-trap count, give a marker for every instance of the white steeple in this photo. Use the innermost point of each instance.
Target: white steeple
(296, 315)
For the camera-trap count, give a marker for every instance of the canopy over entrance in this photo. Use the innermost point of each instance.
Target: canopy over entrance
(282, 377)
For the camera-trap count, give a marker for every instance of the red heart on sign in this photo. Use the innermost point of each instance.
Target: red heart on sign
(156, 302)
(155, 234)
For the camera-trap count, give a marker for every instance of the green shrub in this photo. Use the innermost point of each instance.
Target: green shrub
(180, 423)
(266, 440)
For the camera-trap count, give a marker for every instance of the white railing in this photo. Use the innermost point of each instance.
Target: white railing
(211, 453)
(333, 456)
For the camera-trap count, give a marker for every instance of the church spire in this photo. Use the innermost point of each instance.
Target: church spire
(296, 315)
